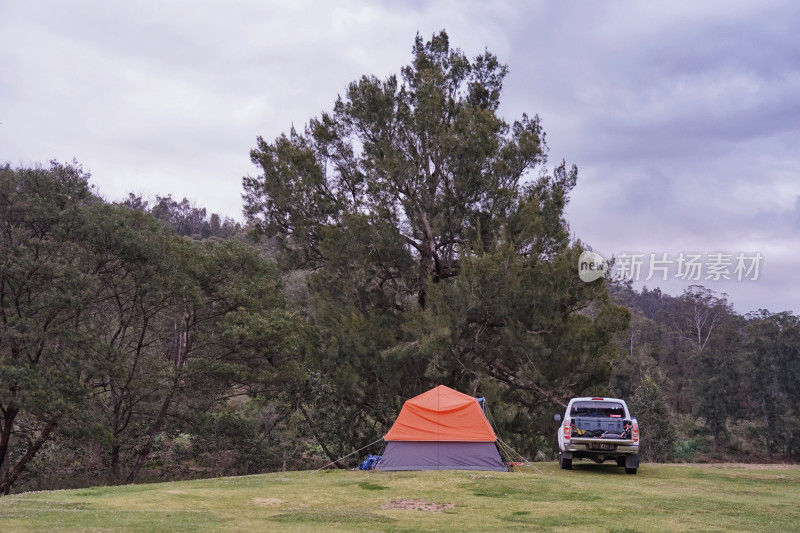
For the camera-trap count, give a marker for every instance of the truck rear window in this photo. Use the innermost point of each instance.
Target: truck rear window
(597, 409)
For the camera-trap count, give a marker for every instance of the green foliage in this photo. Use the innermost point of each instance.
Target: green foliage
(734, 375)
(717, 381)
(656, 426)
(773, 347)
(425, 164)
(433, 255)
(422, 241)
(643, 350)
(229, 443)
(183, 217)
(118, 332)
(44, 378)
(531, 327)
(685, 450)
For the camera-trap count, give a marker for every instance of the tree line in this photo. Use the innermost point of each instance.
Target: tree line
(733, 380)
(115, 329)
(407, 238)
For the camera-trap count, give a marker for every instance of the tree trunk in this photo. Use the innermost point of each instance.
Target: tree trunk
(766, 427)
(115, 466)
(157, 425)
(180, 353)
(13, 474)
(325, 449)
(427, 251)
(9, 415)
(425, 263)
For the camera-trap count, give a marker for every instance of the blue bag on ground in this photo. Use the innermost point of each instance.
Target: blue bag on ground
(370, 462)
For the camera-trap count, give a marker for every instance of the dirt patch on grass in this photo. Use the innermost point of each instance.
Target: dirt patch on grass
(743, 466)
(268, 502)
(418, 505)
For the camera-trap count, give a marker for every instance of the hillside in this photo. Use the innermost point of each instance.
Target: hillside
(589, 498)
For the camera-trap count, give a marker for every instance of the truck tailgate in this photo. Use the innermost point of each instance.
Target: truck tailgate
(602, 444)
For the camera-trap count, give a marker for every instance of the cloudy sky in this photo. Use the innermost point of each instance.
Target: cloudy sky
(683, 117)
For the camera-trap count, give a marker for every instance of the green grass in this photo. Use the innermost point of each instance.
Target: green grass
(589, 498)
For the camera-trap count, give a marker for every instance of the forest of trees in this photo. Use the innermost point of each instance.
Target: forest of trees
(410, 237)
(732, 381)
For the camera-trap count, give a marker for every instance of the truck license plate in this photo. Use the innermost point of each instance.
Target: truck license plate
(602, 446)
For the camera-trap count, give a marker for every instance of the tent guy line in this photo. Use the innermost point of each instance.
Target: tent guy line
(346, 456)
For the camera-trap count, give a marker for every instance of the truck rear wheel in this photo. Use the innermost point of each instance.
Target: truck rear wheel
(630, 470)
(566, 464)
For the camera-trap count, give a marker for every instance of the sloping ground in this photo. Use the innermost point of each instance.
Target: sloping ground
(589, 498)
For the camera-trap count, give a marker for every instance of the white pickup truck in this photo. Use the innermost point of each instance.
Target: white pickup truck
(599, 429)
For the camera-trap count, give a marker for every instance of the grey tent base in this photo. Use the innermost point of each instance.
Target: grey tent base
(404, 455)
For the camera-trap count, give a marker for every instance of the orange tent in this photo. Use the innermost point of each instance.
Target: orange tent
(441, 429)
(441, 414)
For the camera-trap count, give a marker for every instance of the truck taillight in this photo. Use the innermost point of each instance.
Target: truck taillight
(635, 431)
(567, 431)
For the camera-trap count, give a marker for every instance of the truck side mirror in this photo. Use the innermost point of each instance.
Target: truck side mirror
(557, 417)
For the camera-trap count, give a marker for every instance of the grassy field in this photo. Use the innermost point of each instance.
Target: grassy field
(589, 498)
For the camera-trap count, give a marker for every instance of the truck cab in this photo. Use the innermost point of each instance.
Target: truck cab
(599, 429)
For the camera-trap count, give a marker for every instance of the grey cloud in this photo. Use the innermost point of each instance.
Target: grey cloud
(682, 116)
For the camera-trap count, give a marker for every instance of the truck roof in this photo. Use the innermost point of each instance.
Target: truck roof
(600, 401)
(597, 398)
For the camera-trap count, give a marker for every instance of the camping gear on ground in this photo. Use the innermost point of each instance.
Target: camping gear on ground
(441, 429)
(370, 462)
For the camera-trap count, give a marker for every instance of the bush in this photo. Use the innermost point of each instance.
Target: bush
(685, 450)
(656, 426)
